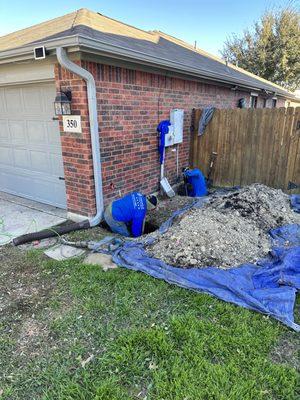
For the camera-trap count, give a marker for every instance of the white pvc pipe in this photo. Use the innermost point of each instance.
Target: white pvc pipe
(66, 63)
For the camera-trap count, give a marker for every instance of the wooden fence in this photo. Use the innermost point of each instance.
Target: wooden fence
(252, 145)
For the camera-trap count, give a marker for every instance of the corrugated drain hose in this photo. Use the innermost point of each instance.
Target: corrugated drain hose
(51, 232)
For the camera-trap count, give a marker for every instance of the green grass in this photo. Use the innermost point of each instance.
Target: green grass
(148, 340)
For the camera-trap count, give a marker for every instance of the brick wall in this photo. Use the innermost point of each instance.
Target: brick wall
(260, 102)
(130, 105)
(76, 148)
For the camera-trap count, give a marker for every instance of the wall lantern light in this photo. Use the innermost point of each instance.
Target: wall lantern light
(62, 103)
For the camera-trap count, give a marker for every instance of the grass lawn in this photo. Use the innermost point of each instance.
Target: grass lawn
(71, 331)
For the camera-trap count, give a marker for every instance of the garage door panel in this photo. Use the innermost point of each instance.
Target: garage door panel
(48, 92)
(4, 131)
(51, 190)
(39, 190)
(30, 148)
(14, 183)
(17, 132)
(52, 128)
(13, 100)
(56, 167)
(40, 162)
(2, 102)
(33, 102)
(21, 158)
(6, 156)
(36, 131)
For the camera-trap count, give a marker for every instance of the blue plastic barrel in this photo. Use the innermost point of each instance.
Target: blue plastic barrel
(196, 179)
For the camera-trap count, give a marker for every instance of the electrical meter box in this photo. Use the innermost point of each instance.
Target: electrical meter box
(175, 134)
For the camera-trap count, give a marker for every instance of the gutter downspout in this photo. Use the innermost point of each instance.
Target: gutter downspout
(66, 63)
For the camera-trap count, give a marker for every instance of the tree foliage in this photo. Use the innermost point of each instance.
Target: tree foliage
(270, 49)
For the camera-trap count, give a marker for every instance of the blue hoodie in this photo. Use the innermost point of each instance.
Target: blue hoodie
(132, 210)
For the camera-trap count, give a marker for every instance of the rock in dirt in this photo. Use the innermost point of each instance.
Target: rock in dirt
(104, 260)
(228, 231)
(63, 252)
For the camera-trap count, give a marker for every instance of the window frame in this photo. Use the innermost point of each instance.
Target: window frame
(253, 101)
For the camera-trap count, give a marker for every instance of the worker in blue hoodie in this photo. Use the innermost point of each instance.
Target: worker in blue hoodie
(126, 216)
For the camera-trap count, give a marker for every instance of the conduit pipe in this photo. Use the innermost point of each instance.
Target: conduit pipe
(66, 63)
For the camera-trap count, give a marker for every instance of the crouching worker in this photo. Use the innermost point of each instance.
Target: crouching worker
(126, 216)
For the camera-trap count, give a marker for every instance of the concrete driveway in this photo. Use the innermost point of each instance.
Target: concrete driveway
(19, 216)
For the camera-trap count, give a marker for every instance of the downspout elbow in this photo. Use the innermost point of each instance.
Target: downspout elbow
(66, 63)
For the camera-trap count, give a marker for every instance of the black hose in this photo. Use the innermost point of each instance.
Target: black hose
(46, 233)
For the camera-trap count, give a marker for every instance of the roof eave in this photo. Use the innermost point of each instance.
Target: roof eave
(26, 52)
(87, 44)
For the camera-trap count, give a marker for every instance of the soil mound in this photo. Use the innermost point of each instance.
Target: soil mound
(229, 231)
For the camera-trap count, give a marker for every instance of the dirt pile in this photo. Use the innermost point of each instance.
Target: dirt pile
(228, 231)
(207, 237)
(264, 206)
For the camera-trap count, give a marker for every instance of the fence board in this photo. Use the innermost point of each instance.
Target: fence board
(247, 149)
(232, 139)
(241, 135)
(278, 129)
(258, 124)
(217, 146)
(261, 145)
(293, 155)
(284, 149)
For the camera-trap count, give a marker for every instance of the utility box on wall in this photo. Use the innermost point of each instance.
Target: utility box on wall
(176, 119)
(175, 134)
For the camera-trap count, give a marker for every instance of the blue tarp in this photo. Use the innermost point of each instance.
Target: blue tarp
(269, 287)
(295, 202)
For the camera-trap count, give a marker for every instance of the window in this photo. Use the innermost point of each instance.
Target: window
(265, 104)
(253, 102)
(274, 103)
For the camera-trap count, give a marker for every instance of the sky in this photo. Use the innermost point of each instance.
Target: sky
(209, 22)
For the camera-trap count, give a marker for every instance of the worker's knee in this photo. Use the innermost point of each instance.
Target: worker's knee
(115, 226)
(121, 229)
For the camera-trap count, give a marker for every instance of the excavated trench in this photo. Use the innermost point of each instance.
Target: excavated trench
(163, 211)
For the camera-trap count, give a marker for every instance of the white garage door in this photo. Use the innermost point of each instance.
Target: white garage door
(30, 150)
